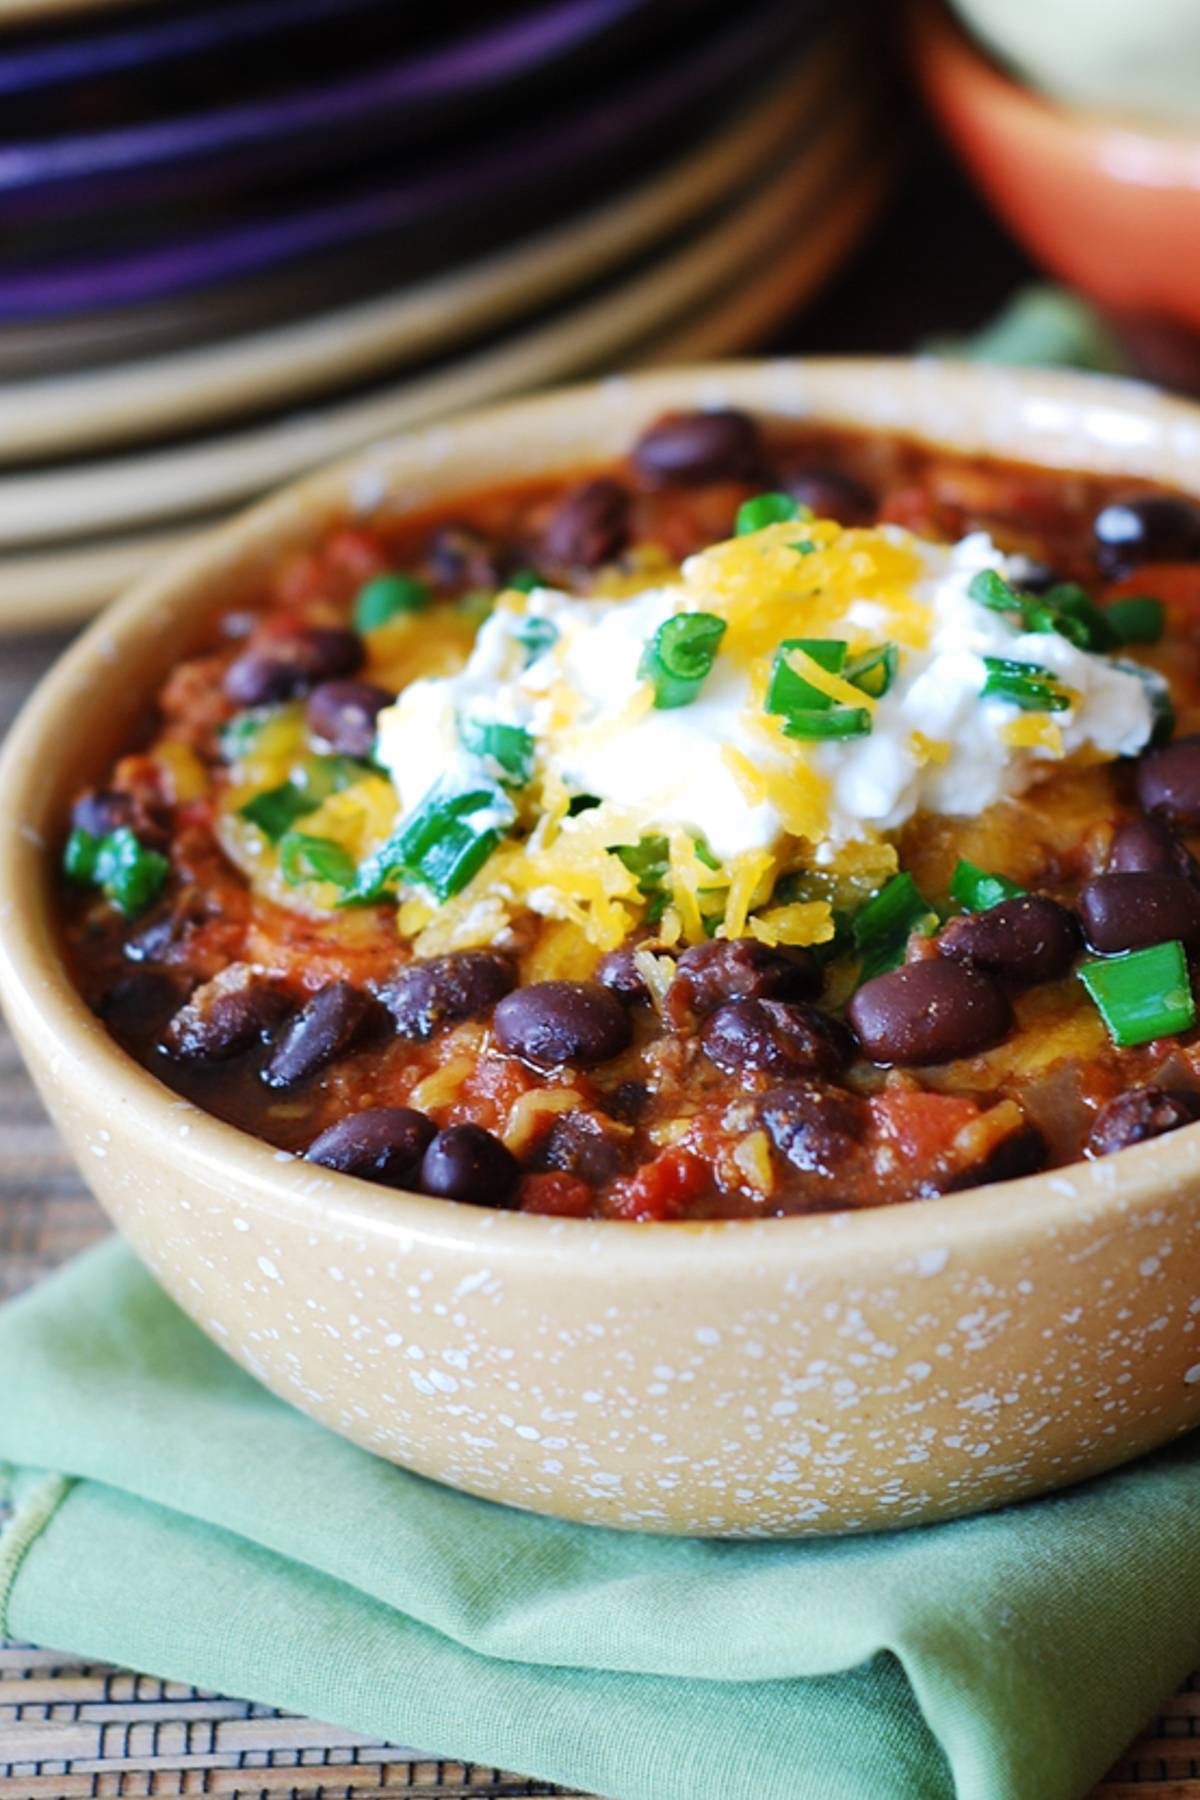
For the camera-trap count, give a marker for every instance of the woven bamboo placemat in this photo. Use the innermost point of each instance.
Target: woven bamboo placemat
(71, 1729)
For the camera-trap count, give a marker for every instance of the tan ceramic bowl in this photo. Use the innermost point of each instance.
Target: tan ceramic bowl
(776, 1378)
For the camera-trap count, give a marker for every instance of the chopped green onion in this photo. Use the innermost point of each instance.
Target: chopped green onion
(976, 889)
(679, 657)
(236, 735)
(1137, 619)
(704, 854)
(1143, 995)
(808, 713)
(764, 510)
(789, 693)
(1065, 608)
(305, 858)
(882, 928)
(874, 671)
(510, 747)
(387, 597)
(440, 845)
(79, 857)
(524, 581)
(129, 874)
(537, 635)
(839, 723)
(1059, 609)
(1026, 685)
(1070, 610)
(277, 809)
(581, 803)
(990, 589)
(649, 861)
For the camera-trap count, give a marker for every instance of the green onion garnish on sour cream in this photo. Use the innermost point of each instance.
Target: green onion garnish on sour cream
(1027, 685)
(679, 657)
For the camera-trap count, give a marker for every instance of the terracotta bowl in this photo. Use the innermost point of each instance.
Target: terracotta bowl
(1108, 205)
(781, 1377)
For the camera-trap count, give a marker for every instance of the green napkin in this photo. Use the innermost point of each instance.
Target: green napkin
(170, 1515)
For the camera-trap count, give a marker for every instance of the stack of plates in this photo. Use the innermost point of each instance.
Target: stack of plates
(238, 238)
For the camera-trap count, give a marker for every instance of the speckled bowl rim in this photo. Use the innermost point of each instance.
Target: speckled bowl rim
(1128, 428)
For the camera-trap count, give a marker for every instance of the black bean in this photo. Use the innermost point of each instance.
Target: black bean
(1168, 782)
(930, 1012)
(138, 1005)
(238, 624)
(465, 984)
(384, 1144)
(102, 810)
(336, 1018)
(458, 556)
(164, 932)
(829, 494)
(1146, 528)
(224, 1018)
(293, 665)
(154, 941)
(1127, 912)
(1027, 939)
(555, 1022)
(619, 973)
(1145, 1112)
(687, 449)
(342, 714)
(709, 975)
(1022, 1152)
(1036, 577)
(773, 1037)
(627, 1101)
(1148, 847)
(467, 1163)
(256, 679)
(589, 527)
(816, 1129)
(580, 1143)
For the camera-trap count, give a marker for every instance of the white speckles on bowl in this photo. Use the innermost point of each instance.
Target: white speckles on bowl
(840, 1372)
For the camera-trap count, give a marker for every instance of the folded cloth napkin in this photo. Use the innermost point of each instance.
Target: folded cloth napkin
(170, 1515)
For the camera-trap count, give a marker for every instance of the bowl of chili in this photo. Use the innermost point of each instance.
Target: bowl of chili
(686, 1179)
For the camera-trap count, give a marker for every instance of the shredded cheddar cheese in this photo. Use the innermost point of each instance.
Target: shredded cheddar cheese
(622, 803)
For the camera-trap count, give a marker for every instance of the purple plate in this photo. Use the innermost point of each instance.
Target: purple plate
(362, 111)
(578, 153)
(45, 65)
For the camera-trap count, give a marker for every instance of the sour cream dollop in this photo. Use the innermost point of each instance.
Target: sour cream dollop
(565, 669)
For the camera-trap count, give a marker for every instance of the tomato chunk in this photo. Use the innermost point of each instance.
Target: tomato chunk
(922, 1125)
(559, 1195)
(662, 1189)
